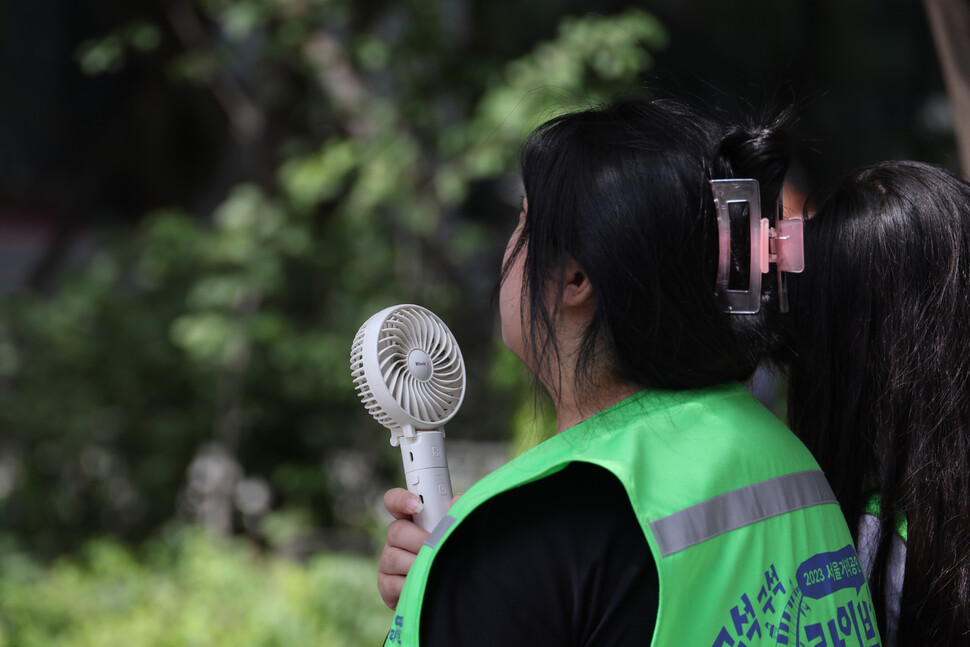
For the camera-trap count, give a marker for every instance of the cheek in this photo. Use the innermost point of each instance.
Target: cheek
(510, 305)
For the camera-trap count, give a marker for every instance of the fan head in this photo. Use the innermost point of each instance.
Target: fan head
(408, 369)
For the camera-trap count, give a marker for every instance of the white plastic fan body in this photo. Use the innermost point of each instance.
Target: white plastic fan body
(410, 375)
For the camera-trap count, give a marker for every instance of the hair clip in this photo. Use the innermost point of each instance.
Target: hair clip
(782, 245)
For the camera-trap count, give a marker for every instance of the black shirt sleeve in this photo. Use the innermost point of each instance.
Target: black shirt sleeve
(561, 561)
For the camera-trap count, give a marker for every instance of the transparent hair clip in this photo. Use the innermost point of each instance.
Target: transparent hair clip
(781, 245)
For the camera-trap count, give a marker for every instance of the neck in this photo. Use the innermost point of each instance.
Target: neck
(602, 390)
(572, 408)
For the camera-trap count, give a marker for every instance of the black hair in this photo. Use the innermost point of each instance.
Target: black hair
(624, 191)
(880, 376)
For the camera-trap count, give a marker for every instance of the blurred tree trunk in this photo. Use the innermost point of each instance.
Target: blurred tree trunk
(950, 23)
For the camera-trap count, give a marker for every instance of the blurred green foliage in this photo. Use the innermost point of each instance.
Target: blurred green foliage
(372, 169)
(189, 589)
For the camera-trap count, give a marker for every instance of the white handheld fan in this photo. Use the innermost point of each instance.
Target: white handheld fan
(410, 376)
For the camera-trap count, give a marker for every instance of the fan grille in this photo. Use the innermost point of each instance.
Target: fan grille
(428, 400)
(364, 390)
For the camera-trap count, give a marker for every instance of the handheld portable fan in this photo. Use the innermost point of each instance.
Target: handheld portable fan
(410, 375)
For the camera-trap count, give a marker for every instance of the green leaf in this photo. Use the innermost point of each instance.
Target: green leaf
(101, 56)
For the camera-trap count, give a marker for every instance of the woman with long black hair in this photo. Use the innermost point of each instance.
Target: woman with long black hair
(880, 385)
(671, 508)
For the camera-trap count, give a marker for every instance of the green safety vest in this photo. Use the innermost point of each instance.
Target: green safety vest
(750, 545)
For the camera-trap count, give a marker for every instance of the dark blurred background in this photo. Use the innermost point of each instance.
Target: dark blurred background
(201, 201)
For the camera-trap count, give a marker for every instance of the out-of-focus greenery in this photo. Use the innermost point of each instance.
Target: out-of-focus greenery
(189, 588)
(199, 365)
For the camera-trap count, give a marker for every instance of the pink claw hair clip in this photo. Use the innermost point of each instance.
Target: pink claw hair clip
(782, 245)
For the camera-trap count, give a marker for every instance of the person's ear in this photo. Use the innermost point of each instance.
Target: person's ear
(576, 290)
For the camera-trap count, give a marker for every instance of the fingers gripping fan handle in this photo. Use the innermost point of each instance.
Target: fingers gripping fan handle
(410, 375)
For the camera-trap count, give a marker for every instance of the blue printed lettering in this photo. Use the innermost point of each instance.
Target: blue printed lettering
(812, 579)
(771, 629)
(740, 615)
(767, 605)
(866, 616)
(848, 622)
(723, 638)
(771, 579)
(813, 631)
(834, 633)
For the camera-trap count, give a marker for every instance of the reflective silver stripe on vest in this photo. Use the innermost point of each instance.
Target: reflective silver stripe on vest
(439, 531)
(739, 508)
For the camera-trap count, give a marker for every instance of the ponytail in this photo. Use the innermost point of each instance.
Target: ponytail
(759, 151)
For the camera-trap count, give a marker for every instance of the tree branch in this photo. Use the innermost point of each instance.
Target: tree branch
(950, 23)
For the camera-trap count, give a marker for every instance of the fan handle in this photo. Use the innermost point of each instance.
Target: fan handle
(426, 473)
